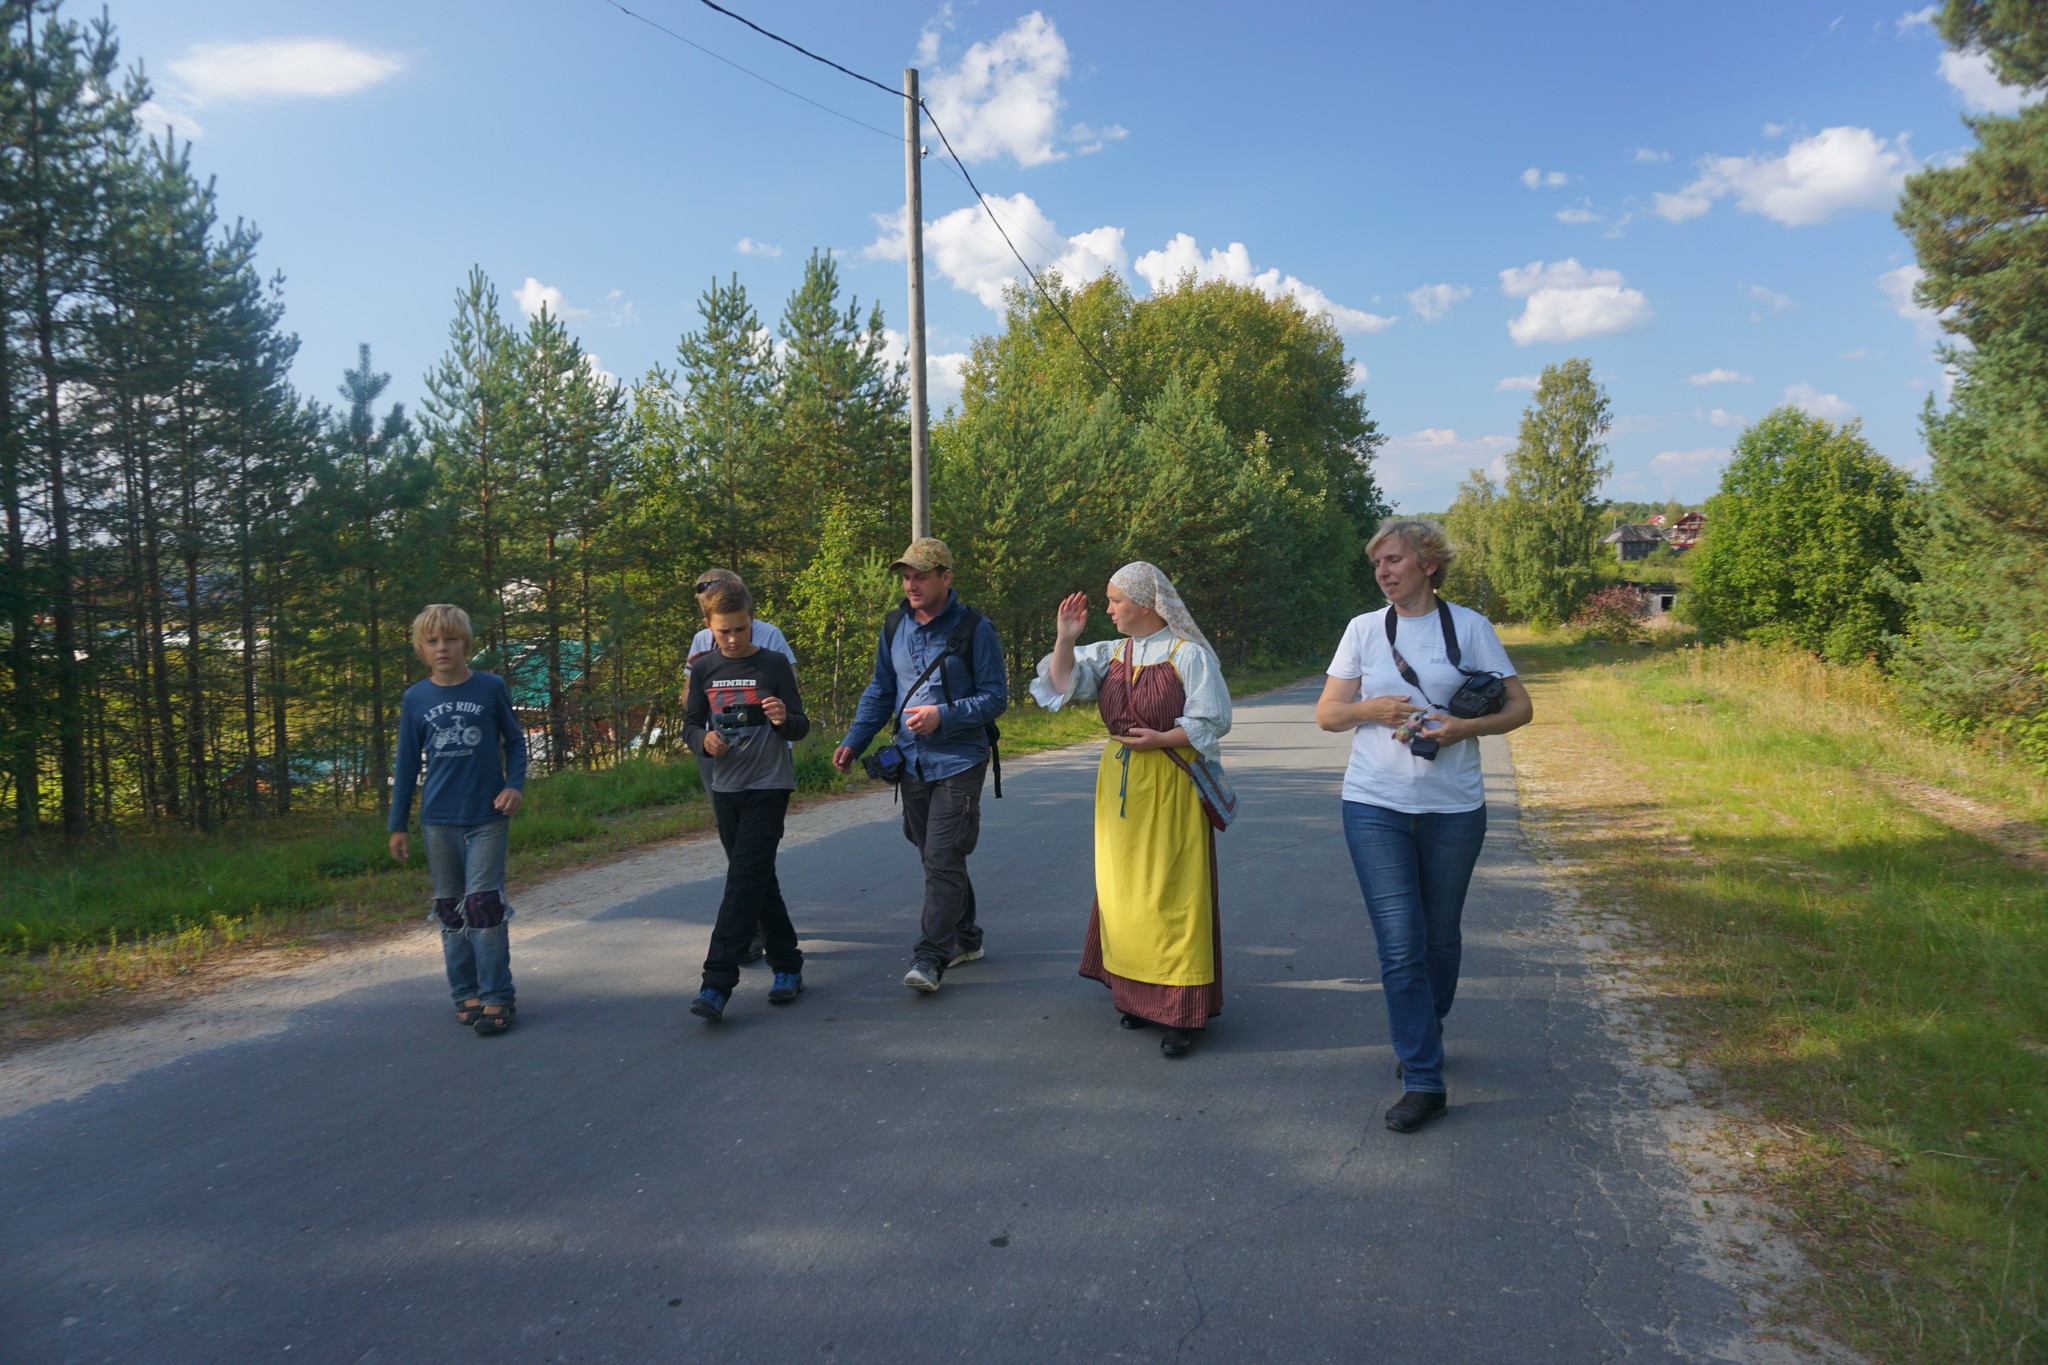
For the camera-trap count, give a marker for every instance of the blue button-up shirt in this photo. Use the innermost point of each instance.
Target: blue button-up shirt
(967, 699)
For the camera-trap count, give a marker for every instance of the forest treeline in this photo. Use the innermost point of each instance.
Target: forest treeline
(209, 575)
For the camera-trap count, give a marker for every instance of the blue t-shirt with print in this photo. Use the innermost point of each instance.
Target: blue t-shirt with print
(471, 745)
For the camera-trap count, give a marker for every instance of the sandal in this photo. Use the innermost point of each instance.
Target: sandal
(488, 1025)
(468, 1012)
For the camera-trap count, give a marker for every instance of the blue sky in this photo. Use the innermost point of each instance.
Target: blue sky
(1697, 199)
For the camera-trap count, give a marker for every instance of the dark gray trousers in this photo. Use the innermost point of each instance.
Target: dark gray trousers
(943, 819)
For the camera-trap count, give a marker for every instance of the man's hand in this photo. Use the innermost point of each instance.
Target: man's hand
(714, 743)
(921, 720)
(842, 759)
(401, 846)
(508, 801)
(776, 709)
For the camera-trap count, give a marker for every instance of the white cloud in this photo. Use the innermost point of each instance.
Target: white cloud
(1719, 417)
(747, 246)
(533, 295)
(1651, 154)
(942, 377)
(1678, 460)
(1580, 215)
(1828, 405)
(1774, 129)
(1769, 298)
(279, 68)
(1719, 375)
(968, 250)
(1002, 97)
(1539, 180)
(1433, 301)
(1969, 74)
(166, 112)
(1915, 18)
(1358, 373)
(1182, 256)
(1836, 171)
(1428, 458)
(1898, 287)
(1518, 383)
(1860, 353)
(1568, 302)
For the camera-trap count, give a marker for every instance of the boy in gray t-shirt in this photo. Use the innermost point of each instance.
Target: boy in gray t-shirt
(743, 710)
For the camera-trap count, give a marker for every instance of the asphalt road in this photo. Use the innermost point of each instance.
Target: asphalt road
(994, 1173)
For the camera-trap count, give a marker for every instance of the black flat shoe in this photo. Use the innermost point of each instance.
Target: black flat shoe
(1176, 1042)
(1132, 1021)
(1415, 1108)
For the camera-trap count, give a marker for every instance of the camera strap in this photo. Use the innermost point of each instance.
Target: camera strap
(1443, 618)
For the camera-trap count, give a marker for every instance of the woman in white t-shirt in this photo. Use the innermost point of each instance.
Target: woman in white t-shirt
(1415, 824)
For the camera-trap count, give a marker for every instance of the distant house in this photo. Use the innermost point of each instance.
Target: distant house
(1685, 532)
(1657, 597)
(1633, 542)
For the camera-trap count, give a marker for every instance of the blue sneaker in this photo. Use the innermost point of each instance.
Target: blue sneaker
(788, 986)
(709, 1004)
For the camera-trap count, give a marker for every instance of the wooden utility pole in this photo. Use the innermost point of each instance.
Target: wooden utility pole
(913, 208)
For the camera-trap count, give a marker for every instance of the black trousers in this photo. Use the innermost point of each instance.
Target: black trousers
(750, 827)
(943, 818)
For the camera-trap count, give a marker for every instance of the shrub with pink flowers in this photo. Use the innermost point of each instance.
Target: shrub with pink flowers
(1614, 613)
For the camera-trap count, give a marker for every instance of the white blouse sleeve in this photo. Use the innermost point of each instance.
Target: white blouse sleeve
(1208, 699)
(1091, 662)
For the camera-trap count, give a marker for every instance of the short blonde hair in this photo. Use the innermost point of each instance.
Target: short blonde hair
(442, 618)
(1425, 540)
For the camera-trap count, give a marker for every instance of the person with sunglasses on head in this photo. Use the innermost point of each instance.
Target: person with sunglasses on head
(1415, 684)
(765, 635)
(704, 642)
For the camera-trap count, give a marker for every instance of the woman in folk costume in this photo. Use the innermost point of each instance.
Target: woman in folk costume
(1153, 934)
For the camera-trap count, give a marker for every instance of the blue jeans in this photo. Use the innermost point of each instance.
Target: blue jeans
(1414, 870)
(467, 865)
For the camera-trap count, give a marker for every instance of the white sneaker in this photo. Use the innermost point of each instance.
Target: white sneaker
(965, 955)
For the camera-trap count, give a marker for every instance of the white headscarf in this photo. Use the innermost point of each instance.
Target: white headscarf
(1148, 586)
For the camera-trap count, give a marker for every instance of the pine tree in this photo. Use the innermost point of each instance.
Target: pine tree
(1549, 520)
(469, 416)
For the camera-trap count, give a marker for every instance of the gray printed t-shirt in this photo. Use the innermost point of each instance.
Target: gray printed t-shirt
(759, 759)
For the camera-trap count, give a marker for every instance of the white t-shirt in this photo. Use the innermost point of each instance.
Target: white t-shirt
(1382, 772)
(765, 635)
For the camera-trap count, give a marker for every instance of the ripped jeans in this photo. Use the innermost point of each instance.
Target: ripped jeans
(467, 865)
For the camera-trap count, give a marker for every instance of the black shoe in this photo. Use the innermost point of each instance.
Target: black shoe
(756, 949)
(1132, 1021)
(966, 954)
(1176, 1042)
(924, 974)
(1415, 1108)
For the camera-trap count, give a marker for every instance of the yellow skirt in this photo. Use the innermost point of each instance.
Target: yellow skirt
(1153, 887)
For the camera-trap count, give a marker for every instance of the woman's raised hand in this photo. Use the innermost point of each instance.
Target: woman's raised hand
(1071, 616)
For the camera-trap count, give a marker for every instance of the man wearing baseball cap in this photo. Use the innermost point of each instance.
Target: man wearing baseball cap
(939, 677)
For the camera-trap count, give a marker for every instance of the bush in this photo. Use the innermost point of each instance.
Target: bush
(1613, 613)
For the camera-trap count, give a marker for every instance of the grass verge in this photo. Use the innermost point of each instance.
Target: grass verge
(138, 915)
(1848, 923)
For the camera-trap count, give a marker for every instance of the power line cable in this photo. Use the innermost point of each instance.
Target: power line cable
(798, 47)
(858, 123)
(1051, 300)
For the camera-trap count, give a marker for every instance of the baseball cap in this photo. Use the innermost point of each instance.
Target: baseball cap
(925, 553)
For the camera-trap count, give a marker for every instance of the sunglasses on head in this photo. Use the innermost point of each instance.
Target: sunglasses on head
(704, 586)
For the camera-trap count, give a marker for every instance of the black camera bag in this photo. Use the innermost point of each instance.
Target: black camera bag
(1480, 694)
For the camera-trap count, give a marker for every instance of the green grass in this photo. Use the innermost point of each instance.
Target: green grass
(1873, 980)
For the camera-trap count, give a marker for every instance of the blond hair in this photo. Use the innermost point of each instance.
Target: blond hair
(442, 618)
(1425, 540)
